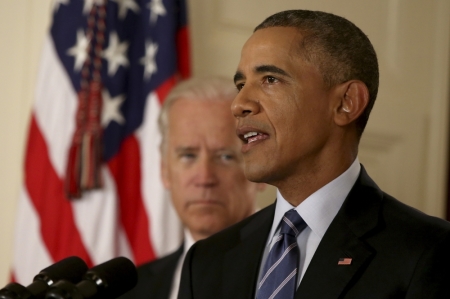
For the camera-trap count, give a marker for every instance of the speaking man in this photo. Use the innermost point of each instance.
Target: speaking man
(202, 168)
(307, 82)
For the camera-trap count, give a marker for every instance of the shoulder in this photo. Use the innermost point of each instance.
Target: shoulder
(158, 265)
(387, 224)
(250, 231)
(367, 205)
(155, 277)
(399, 225)
(242, 229)
(412, 223)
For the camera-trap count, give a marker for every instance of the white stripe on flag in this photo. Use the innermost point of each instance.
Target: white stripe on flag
(123, 246)
(97, 220)
(161, 213)
(30, 253)
(55, 107)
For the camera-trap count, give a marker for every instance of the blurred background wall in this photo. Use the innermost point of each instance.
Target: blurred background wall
(404, 147)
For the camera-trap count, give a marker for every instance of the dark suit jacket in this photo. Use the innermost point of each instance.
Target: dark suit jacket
(396, 252)
(155, 278)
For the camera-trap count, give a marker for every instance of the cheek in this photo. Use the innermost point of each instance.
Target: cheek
(179, 177)
(284, 116)
(179, 190)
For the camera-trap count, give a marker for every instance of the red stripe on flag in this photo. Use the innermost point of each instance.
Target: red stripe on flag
(164, 89)
(46, 191)
(126, 170)
(184, 52)
(12, 277)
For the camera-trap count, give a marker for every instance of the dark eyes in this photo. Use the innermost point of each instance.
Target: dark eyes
(266, 80)
(270, 79)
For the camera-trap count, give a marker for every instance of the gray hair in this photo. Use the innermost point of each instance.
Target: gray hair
(211, 89)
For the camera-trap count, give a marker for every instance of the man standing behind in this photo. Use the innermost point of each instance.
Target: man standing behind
(202, 168)
(307, 82)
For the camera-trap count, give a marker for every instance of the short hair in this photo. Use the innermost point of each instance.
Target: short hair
(339, 49)
(210, 89)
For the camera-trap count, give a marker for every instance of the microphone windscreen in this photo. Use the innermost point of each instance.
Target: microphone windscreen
(117, 277)
(71, 269)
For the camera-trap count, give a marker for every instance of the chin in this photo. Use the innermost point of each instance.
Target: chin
(212, 225)
(257, 174)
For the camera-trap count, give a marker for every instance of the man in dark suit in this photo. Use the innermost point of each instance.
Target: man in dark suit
(202, 169)
(307, 82)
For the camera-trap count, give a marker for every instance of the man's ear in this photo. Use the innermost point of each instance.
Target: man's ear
(353, 99)
(165, 173)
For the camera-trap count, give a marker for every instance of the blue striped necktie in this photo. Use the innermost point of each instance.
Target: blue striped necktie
(280, 271)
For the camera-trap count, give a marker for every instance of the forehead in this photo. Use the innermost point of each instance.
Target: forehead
(282, 43)
(206, 120)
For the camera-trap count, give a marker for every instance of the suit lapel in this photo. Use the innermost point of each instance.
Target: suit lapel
(243, 260)
(359, 214)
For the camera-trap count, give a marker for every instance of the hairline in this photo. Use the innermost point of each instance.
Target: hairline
(214, 89)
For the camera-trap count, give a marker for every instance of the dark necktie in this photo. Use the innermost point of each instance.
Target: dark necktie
(280, 271)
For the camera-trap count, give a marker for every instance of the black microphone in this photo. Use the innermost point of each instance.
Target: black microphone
(71, 269)
(105, 281)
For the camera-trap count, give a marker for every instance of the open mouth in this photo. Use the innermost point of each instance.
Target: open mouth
(254, 136)
(250, 137)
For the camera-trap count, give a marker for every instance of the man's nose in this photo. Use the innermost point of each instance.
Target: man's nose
(206, 173)
(245, 103)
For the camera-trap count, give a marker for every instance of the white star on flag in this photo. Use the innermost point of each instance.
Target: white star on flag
(57, 3)
(111, 108)
(79, 50)
(89, 3)
(156, 9)
(115, 54)
(149, 59)
(124, 5)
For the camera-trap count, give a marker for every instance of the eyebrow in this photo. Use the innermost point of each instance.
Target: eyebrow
(238, 76)
(182, 149)
(262, 69)
(270, 69)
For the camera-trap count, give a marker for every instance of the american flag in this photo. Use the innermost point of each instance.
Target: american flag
(345, 261)
(106, 68)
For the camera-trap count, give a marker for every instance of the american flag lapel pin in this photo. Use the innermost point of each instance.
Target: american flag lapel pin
(345, 261)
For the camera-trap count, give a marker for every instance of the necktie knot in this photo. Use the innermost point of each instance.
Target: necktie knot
(292, 223)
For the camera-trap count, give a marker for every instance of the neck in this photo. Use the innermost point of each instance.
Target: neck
(196, 236)
(314, 176)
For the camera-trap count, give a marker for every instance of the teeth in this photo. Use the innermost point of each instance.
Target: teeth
(250, 134)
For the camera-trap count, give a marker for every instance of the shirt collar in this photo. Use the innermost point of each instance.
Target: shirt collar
(320, 208)
(188, 241)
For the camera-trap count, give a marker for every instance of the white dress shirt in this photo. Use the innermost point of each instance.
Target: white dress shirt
(188, 242)
(318, 211)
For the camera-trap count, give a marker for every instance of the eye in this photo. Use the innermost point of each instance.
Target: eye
(270, 80)
(226, 157)
(239, 86)
(187, 157)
